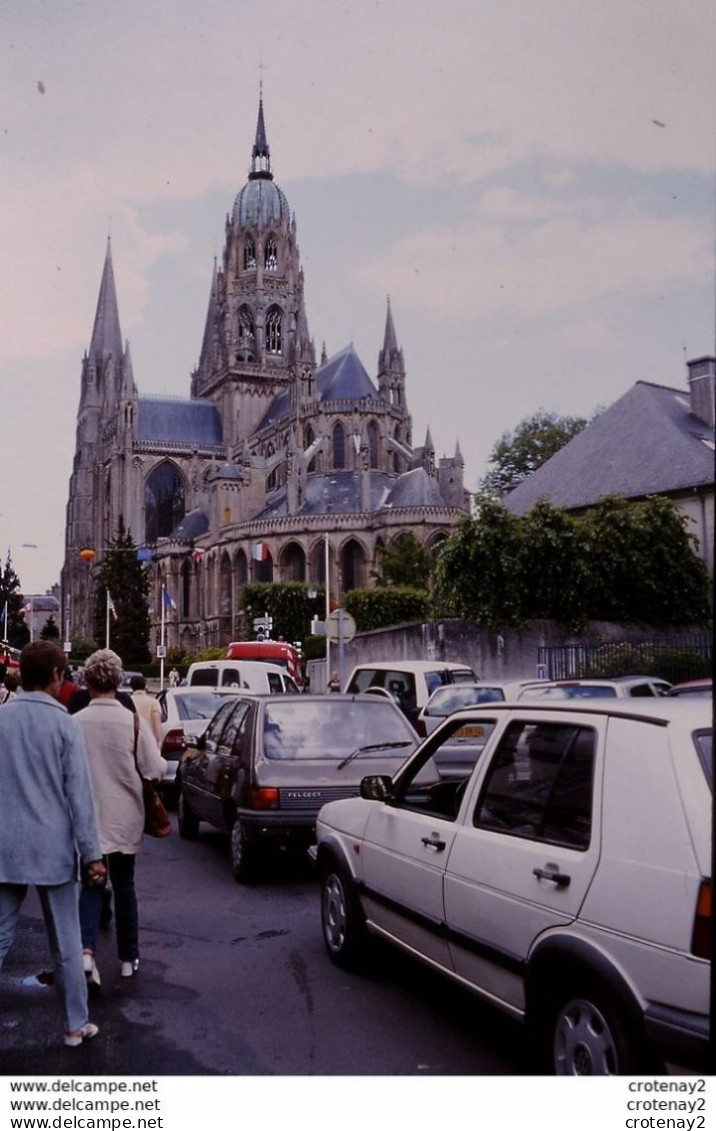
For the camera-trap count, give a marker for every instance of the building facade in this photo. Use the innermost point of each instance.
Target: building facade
(274, 465)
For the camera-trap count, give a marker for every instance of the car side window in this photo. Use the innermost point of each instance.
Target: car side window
(540, 784)
(217, 724)
(640, 690)
(275, 683)
(228, 738)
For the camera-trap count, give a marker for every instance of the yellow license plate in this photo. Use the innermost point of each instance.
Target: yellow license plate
(469, 732)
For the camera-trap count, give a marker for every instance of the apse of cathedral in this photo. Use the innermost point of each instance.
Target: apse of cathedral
(274, 458)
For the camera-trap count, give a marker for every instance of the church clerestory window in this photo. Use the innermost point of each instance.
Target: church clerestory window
(247, 336)
(373, 444)
(249, 254)
(274, 330)
(164, 504)
(271, 255)
(339, 446)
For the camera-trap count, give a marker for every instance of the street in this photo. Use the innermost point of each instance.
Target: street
(235, 981)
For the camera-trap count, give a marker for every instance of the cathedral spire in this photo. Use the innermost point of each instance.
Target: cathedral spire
(209, 344)
(390, 342)
(106, 335)
(260, 154)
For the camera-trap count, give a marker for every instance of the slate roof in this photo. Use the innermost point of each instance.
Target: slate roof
(646, 443)
(185, 421)
(338, 492)
(341, 377)
(193, 525)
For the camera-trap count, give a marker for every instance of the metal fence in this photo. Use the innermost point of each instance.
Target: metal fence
(673, 657)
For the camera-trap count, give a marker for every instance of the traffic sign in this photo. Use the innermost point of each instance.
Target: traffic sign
(263, 622)
(340, 626)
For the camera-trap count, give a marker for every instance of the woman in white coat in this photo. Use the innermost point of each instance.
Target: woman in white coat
(109, 733)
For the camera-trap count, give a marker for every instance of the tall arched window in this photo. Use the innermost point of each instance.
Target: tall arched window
(274, 326)
(293, 563)
(247, 337)
(271, 255)
(339, 446)
(164, 505)
(373, 443)
(249, 254)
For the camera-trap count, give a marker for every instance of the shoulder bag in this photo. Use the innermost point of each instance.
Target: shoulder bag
(156, 818)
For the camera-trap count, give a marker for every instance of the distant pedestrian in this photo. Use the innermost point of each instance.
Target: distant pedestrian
(174, 678)
(11, 683)
(48, 824)
(147, 706)
(67, 687)
(112, 743)
(334, 683)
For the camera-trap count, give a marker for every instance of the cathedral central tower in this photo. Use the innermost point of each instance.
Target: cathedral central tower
(256, 339)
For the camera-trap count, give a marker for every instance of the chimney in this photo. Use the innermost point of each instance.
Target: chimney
(702, 388)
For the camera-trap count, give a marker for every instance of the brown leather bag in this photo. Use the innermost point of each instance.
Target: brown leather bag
(156, 819)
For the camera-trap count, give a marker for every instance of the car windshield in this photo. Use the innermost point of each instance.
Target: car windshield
(202, 706)
(334, 729)
(451, 699)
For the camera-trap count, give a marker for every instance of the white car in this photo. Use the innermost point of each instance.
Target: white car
(566, 879)
(445, 701)
(185, 710)
(409, 682)
(623, 687)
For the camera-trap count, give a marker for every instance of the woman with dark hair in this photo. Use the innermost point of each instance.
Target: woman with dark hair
(120, 748)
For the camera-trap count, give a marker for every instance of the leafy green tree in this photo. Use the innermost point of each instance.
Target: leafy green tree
(535, 440)
(49, 630)
(18, 632)
(287, 603)
(405, 562)
(128, 583)
(386, 605)
(478, 573)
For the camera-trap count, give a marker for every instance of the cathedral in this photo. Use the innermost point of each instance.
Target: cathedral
(276, 467)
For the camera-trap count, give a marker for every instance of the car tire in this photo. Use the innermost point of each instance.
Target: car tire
(585, 1033)
(342, 919)
(187, 820)
(243, 855)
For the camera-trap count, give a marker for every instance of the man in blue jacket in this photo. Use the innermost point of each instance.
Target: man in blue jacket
(47, 824)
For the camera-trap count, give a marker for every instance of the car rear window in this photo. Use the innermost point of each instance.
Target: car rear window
(202, 706)
(329, 729)
(452, 699)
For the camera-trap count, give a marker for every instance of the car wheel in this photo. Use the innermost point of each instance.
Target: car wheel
(187, 820)
(342, 919)
(243, 856)
(586, 1034)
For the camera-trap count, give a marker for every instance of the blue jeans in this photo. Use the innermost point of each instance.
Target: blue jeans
(59, 908)
(120, 866)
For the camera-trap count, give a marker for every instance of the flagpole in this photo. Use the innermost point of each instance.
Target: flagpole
(162, 636)
(32, 619)
(328, 613)
(106, 631)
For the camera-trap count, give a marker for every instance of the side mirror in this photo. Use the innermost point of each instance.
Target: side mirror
(376, 787)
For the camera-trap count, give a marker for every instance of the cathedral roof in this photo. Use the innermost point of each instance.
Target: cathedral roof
(414, 489)
(179, 420)
(332, 492)
(342, 377)
(193, 525)
(260, 204)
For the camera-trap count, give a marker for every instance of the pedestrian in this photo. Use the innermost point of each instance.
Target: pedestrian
(174, 678)
(11, 683)
(118, 752)
(48, 824)
(334, 683)
(147, 706)
(67, 688)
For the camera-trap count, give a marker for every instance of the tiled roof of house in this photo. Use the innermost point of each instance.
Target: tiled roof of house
(646, 443)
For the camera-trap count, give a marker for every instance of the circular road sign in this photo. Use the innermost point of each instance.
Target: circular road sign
(340, 625)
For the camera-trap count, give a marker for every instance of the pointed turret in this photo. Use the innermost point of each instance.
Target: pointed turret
(106, 335)
(391, 368)
(260, 154)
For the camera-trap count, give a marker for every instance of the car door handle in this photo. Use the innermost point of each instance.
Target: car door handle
(559, 878)
(433, 842)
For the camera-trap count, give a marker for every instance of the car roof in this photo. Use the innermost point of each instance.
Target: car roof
(200, 689)
(659, 709)
(411, 666)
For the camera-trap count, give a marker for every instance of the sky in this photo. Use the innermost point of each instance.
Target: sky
(531, 181)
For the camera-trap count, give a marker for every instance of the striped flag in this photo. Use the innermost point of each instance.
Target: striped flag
(168, 602)
(259, 551)
(110, 606)
(197, 553)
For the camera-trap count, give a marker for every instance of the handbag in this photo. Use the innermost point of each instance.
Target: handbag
(156, 819)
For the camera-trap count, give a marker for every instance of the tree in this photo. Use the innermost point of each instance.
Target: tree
(288, 605)
(18, 633)
(127, 581)
(535, 440)
(49, 630)
(405, 562)
(386, 605)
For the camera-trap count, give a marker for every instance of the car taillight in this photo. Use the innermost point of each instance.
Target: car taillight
(701, 938)
(263, 798)
(173, 742)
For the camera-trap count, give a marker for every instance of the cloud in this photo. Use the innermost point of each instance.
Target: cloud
(499, 264)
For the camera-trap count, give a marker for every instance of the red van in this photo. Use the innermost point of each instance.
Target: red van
(271, 652)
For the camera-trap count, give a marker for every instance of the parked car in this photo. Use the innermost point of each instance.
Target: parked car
(445, 701)
(701, 688)
(266, 764)
(623, 687)
(410, 682)
(566, 879)
(185, 710)
(249, 675)
(127, 677)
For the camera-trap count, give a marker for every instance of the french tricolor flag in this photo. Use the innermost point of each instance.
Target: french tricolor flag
(259, 551)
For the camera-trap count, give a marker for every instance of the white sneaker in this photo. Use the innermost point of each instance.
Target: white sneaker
(90, 968)
(129, 968)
